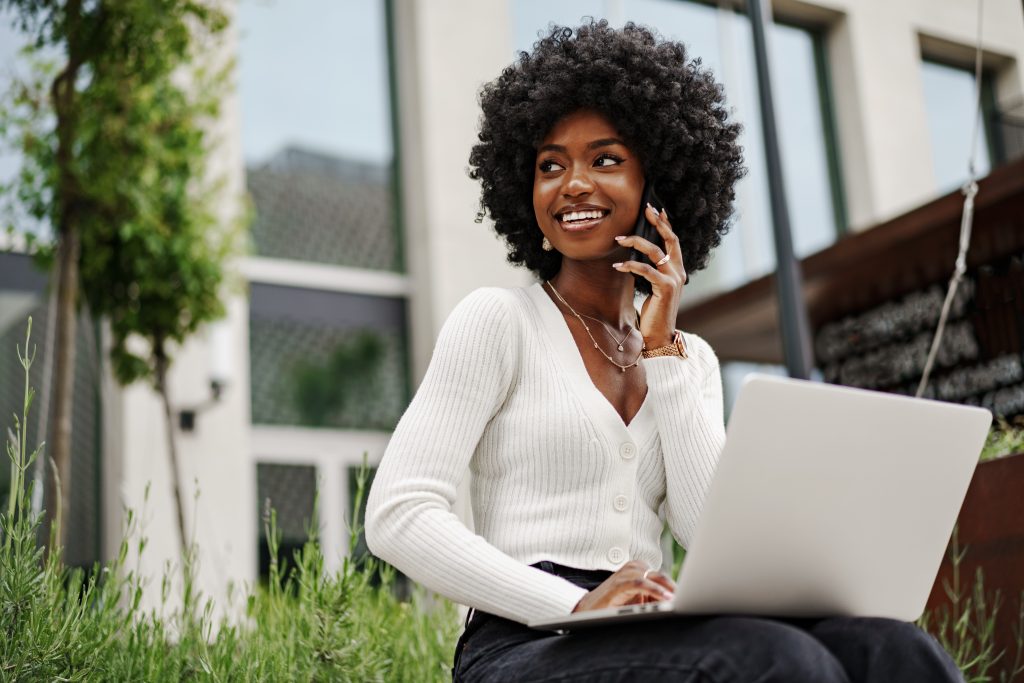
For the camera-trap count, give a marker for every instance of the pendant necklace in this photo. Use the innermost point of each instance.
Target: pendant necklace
(597, 346)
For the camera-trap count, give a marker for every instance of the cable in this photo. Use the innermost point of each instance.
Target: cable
(970, 190)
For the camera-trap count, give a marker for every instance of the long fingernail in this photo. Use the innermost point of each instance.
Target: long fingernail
(616, 265)
(619, 238)
(667, 595)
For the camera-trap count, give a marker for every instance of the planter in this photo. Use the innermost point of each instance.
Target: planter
(991, 530)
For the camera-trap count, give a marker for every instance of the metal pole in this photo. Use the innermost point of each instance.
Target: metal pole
(793, 323)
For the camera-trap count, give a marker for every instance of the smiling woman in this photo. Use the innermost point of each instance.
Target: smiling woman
(587, 420)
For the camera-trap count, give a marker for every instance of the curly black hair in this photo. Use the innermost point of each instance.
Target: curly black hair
(669, 110)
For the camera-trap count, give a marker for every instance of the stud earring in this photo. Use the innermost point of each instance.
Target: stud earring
(546, 245)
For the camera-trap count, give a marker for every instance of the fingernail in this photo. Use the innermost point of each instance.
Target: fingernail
(649, 205)
(667, 595)
(619, 238)
(616, 265)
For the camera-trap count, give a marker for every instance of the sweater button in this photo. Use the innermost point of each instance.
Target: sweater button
(620, 503)
(616, 555)
(627, 451)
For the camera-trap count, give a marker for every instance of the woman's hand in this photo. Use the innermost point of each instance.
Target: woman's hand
(634, 583)
(658, 316)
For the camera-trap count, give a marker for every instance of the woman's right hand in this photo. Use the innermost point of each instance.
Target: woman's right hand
(628, 586)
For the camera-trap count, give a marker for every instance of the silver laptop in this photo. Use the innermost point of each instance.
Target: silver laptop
(827, 501)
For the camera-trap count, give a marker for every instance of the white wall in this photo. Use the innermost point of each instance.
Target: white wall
(446, 50)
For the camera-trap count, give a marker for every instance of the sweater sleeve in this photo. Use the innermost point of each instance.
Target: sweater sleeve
(687, 397)
(409, 518)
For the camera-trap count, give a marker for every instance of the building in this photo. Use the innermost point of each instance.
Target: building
(351, 128)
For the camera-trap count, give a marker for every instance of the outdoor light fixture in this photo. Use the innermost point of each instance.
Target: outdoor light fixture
(219, 344)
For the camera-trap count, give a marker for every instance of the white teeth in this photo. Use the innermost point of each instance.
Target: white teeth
(581, 215)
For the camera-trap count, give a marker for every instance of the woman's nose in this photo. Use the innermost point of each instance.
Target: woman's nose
(577, 182)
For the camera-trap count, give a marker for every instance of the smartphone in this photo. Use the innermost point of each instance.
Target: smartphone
(644, 228)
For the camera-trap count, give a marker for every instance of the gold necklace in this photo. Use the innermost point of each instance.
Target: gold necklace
(608, 329)
(586, 327)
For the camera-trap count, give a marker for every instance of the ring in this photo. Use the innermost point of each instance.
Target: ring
(662, 261)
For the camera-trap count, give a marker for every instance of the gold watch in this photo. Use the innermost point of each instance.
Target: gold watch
(675, 348)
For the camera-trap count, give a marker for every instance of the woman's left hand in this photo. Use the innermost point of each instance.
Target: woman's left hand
(658, 315)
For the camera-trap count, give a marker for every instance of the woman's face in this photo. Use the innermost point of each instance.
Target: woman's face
(587, 186)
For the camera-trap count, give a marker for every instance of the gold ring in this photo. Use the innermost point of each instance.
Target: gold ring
(662, 262)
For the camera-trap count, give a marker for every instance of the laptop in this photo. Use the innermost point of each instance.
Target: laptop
(827, 501)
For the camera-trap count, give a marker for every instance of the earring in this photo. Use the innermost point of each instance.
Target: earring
(546, 245)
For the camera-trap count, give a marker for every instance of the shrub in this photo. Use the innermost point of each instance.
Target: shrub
(305, 624)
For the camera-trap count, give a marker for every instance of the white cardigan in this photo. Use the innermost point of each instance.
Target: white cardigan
(557, 475)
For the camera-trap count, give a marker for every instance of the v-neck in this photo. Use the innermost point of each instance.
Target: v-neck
(557, 330)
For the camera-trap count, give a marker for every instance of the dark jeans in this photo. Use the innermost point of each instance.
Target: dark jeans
(716, 649)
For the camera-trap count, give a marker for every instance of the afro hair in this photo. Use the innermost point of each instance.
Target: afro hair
(669, 110)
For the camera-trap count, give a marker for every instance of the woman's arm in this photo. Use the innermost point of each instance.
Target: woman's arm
(409, 519)
(687, 402)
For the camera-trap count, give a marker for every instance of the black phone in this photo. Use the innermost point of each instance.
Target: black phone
(644, 228)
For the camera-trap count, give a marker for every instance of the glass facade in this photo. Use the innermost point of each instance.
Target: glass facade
(950, 98)
(316, 131)
(326, 359)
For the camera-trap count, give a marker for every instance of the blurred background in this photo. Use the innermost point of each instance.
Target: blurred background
(348, 129)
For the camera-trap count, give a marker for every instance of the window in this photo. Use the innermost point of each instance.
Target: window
(949, 95)
(326, 359)
(722, 39)
(316, 131)
(317, 137)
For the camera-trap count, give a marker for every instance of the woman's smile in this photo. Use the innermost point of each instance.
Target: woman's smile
(581, 218)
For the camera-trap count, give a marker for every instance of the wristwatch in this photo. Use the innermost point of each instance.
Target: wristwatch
(675, 348)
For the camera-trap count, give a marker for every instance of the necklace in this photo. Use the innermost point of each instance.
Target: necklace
(586, 327)
(608, 329)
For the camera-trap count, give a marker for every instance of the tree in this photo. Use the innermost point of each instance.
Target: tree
(121, 178)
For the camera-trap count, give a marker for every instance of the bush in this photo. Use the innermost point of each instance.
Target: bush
(305, 624)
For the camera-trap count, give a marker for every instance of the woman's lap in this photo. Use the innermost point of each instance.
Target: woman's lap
(722, 649)
(716, 649)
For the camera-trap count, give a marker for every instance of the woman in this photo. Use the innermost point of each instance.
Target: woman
(587, 423)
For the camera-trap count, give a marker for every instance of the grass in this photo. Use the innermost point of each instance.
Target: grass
(306, 624)
(1005, 438)
(966, 626)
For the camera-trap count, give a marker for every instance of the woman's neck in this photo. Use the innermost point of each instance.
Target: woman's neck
(590, 290)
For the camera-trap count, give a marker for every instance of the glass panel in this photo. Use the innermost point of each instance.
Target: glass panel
(291, 491)
(316, 131)
(722, 39)
(326, 359)
(23, 294)
(950, 101)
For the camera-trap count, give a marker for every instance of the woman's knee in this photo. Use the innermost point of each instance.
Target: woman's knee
(873, 648)
(766, 651)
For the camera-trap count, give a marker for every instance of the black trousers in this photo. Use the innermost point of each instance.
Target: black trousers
(716, 649)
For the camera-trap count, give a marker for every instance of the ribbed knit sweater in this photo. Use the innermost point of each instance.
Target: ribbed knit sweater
(557, 475)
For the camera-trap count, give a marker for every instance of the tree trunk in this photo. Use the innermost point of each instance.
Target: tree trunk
(64, 383)
(172, 447)
(68, 252)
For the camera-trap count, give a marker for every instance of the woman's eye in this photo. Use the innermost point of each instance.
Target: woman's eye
(607, 160)
(548, 166)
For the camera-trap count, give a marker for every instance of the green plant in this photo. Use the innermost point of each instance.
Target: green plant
(966, 626)
(113, 144)
(1005, 438)
(305, 624)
